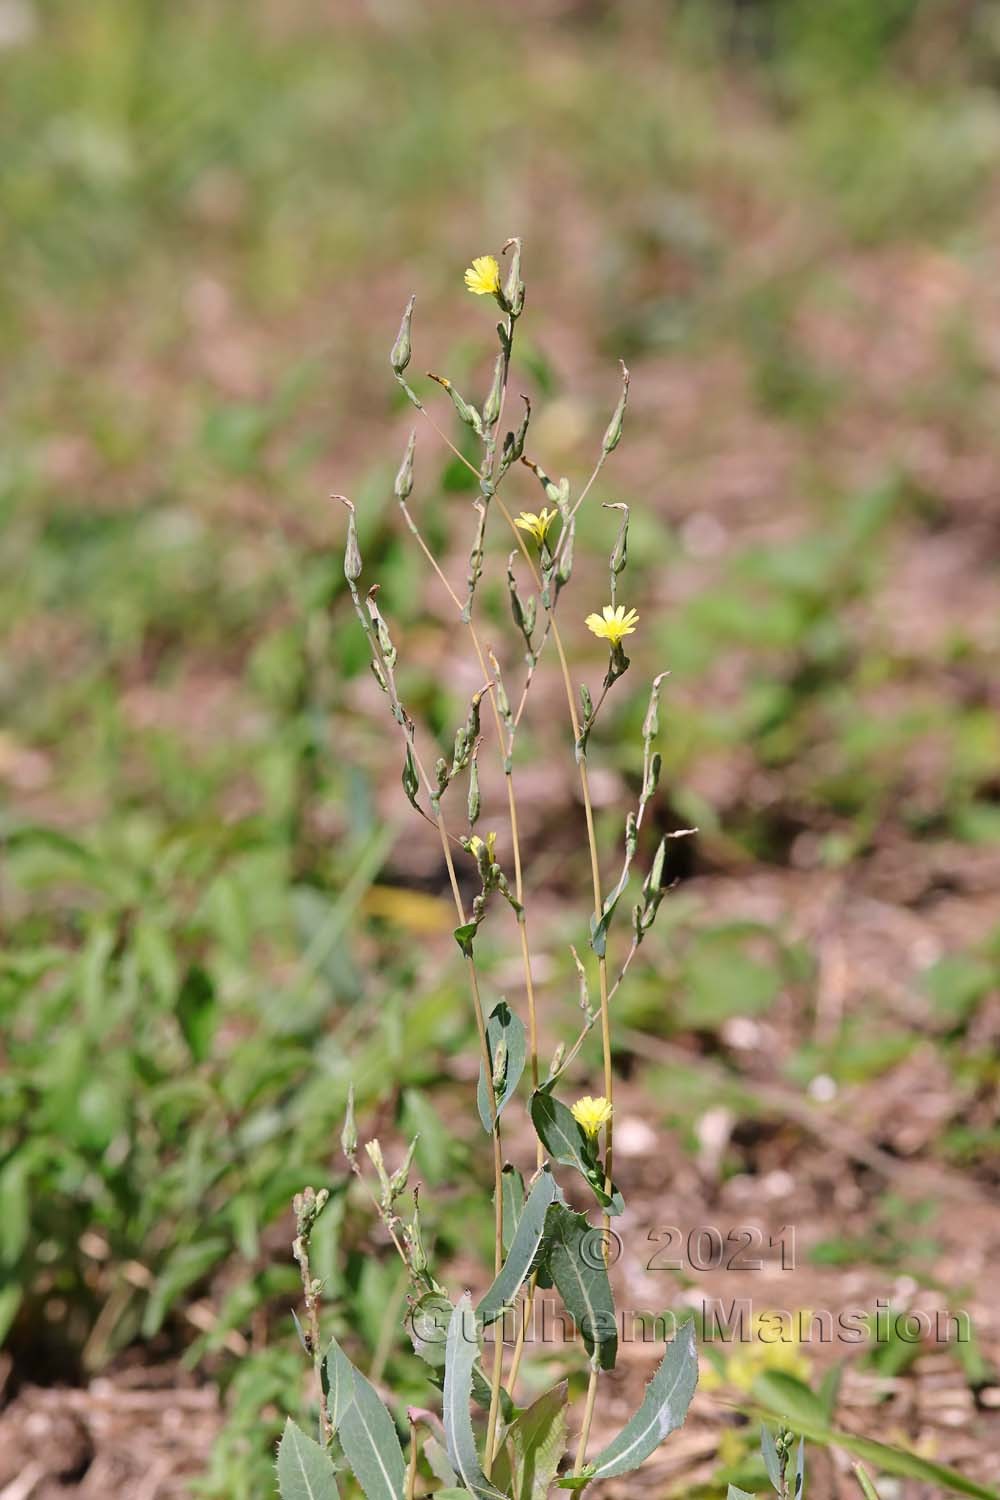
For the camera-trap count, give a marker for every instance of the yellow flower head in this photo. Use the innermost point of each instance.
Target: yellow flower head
(483, 276)
(537, 526)
(590, 1114)
(477, 846)
(613, 624)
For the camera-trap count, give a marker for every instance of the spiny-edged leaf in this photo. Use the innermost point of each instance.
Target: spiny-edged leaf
(868, 1489)
(503, 1027)
(522, 1251)
(526, 1465)
(559, 1133)
(576, 1264)
(772, 1462)
(461, 1354)
(664, 1407)
(304, 1470)
(338, 1383)
(889, 1460)
(427, 1325)
(371, 1446)
(512, 1196)
(568, 1143)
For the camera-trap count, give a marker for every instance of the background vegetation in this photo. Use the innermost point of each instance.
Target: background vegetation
(785, 217)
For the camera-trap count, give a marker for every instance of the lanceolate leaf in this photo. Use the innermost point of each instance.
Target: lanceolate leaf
(439, 1462)
(368, 1435)
(567, 1143)
(503, 1027)
(576, 1263)
(461, 1354)
(772, 1462)
(559, 1133)
(428, 1325)
(735, 1493)
(522, 1251)
(304, 1470)
(339, 1383)
(664, 1407)
(526, 1464)
(512, 1193)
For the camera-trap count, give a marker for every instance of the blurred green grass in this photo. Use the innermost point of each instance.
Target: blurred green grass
(210, 216)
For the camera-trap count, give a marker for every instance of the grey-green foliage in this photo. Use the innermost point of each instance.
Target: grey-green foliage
(505, 1042)
(523, 1250)
(305, 1470)
(533, 1446)
(541, 1240)
(371, 1446)
(568, 1143)
(575, 1260)
(664, 1407)
(461, 1357)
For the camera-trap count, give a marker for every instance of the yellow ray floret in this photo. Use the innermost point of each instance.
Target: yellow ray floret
(613, 624)
(536, 526)
(590, 1114)
(483, 276)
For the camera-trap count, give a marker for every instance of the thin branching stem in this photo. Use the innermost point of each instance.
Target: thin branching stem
(405, 723)
(602, 963)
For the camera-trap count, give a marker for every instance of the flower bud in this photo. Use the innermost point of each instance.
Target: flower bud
(352, 552)
(491, 406)
(514, 290)
(401, 349)
(468, 413)
(613, 436)
(404, 478)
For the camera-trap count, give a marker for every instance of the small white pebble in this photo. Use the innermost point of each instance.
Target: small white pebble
(634, 1137)
(742, 1033)
(713, 1131)
(823, 1088)
(777, 1184)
